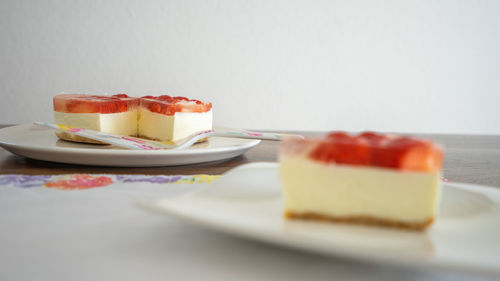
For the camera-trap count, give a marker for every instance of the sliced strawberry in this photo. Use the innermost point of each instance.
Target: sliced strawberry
(341, 148)
(324, 152)
(122, 106)
(203, 107)
(75, 103)
(165, 97)
(194, 107)
(424, 158)
(155, 107)
(168, 109)
(356, 153)
(179, 98)
(108, 107)
(372, 149)
(172, 108)
(82, 106)
(339, 136)
(170, 105)
(410, 154)
(373, 138)
(388, 154)
(120, 96)
(384, 157)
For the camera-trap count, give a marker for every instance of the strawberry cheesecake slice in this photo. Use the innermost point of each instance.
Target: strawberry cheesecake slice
(167, 118)
(368, 178)
(115, 114)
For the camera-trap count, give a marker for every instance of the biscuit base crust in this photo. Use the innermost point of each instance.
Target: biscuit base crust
(74, 138)
(364, 220)
(159, 140)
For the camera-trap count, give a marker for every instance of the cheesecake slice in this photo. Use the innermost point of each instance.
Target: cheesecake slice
(369, 178)
(166, 118)
(115, 114)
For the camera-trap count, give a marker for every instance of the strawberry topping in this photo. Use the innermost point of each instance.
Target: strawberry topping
(120, 96)
(164, 104)
(74, 103)
(169, 105)
(372, 149)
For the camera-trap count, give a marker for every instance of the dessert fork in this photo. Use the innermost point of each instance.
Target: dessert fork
(145, 144)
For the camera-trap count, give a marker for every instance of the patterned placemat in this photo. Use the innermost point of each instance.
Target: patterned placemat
(86, 181)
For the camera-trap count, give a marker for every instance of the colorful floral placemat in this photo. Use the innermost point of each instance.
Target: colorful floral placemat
(86, 181)
(91, 218)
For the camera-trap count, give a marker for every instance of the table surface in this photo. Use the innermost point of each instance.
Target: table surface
(468, 158)
(97, 234)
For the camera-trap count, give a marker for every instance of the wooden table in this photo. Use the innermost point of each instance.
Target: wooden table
(468, 158)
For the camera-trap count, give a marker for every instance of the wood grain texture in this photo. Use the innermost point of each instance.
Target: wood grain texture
(468, 158)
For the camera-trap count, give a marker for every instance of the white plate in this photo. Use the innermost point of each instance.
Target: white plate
(247, 202)
(41, 143)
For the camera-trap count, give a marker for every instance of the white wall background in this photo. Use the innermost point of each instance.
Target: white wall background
(408, 66)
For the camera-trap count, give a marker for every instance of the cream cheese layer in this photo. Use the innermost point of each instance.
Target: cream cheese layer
(172, 127)
(345, 190)
(122, 123)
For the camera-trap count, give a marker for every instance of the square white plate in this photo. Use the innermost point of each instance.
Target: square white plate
(247, 202)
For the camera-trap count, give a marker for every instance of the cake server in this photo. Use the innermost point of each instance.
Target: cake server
(145, 144)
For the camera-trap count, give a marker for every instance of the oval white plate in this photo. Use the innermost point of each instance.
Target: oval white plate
(41, 143)
(247, 202)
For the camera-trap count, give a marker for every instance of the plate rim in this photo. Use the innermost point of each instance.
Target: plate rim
(284, 241)
(249, 143)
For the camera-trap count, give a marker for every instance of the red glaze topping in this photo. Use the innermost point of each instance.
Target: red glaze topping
(372, 149)
(168, 105)
(164, 104)
(75, 103)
